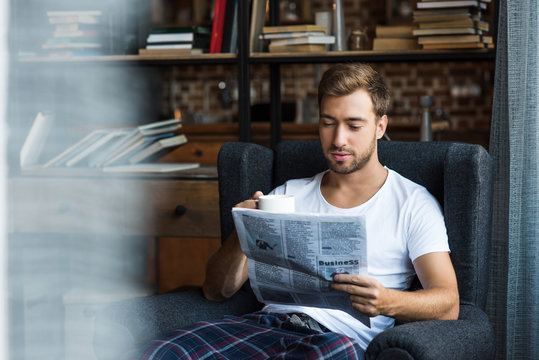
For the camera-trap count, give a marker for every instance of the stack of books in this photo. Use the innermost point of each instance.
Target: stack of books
(177, 40)
(103, 148)
(75, 33)
(394, 37)
(297, 38)
(452, 24)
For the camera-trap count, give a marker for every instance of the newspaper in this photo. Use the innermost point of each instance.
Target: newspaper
(293, 257)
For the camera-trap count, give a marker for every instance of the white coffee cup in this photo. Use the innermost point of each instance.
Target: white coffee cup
(277, 203)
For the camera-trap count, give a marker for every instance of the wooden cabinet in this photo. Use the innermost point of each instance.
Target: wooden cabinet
(180, 210)
(182, 262)
(131, 207)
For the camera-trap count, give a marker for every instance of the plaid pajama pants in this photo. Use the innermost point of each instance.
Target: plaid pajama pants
(254, 336)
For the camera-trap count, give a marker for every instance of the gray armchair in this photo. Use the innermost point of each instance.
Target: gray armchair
(458, 175)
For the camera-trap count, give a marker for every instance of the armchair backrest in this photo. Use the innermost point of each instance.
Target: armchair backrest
(458, 175)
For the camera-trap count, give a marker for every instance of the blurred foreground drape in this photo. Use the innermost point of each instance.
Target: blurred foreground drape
(513, 303)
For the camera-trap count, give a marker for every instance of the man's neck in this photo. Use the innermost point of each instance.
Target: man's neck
(351, 190)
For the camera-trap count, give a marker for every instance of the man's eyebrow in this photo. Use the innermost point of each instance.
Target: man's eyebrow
(347, 119)
(356, 119)
(322, 115)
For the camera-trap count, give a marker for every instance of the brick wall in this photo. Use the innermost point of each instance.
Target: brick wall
(462, 90)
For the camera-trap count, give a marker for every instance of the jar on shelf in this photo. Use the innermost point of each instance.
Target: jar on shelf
(358, 40)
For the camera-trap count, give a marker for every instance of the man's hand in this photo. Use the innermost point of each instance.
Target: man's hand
(252, 202)
(366, 294)
(439, 298)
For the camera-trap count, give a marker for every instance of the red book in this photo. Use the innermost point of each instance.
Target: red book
(218, 26)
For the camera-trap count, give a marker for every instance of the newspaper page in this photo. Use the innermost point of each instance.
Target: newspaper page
(293, 257)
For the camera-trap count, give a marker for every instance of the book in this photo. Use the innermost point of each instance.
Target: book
(445, 11)
(186, 46)
(135, 139)
(448, 46)
(448, 39)
(34, 144)
(450, 4)
(71, 42)
(158, 146)
(324, 39)
(338, 26)
(258, 15)
(136, 145)
(167, 52)
(74, 52)
(439, 15)
(74, 17)
(52, 13)
(297, 48)
(74, 149)
(487, 39)
(198, 36)
(69, 27)
(447, 31)
(76, 33)
(106, 138)
(450, 17)
(235, 28)
(394, 44)
(159, 127)
(394, 31)
(294, 28)
(480, 25)
(151, 167)
(97, 157)
(202, 30)
(230, 27)
(218, 26)
(171, 37)
(288, 35)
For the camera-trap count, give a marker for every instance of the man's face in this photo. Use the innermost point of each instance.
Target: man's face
(348, 131)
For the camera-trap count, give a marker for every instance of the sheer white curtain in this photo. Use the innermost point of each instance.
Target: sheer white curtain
(514, 278)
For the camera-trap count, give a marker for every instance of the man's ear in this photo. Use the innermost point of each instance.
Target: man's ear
(381, 127)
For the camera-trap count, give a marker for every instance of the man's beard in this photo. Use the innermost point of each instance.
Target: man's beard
(358, 163)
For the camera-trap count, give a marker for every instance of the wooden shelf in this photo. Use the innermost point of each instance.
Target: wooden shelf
(138, 59)
(372, 56)
(319, 57)
(201, 173)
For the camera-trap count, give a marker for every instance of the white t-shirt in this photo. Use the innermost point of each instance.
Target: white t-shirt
(403, 222)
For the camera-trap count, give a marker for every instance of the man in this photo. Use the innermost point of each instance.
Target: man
(405, 236)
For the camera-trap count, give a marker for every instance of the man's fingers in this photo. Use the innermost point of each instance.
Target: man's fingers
(351, 289)
(358, 280)
(252, 202)
(256, 195)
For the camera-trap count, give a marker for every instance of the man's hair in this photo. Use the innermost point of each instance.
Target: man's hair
(344, 79)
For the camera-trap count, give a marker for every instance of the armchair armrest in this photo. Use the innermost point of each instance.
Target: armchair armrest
(469, 337)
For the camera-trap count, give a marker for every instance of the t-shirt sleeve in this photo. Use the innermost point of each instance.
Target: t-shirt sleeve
(426, 226)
